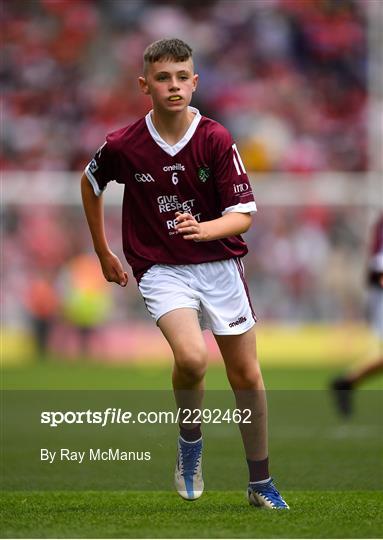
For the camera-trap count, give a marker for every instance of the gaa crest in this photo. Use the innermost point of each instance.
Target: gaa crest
(203, 174)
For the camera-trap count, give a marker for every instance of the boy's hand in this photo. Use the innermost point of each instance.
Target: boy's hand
(190, 228)
(112, 269)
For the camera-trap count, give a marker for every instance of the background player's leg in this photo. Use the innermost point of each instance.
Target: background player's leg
(364, 372)
(245, 377)
(343, 386)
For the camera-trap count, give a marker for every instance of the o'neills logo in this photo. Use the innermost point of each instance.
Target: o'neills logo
(238, 321)
(176, 167)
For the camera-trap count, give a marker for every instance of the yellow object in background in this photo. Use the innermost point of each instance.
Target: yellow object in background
(86, 298)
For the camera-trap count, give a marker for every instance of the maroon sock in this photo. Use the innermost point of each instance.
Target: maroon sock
(191, 435)
(258, 470)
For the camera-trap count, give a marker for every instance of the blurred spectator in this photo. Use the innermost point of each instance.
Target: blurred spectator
(42, 305)
(85, 298)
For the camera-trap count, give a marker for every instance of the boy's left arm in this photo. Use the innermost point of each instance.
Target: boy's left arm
(230, 224)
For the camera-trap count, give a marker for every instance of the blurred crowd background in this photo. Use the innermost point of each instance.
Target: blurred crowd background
(289, 78)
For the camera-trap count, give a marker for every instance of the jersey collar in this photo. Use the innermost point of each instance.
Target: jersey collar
(173, 150)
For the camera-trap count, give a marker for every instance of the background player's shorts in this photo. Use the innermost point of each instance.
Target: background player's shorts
(217, 290)
(375, 311)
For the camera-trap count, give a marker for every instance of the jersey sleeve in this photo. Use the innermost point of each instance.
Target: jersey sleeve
(101, 169)
(232, 181)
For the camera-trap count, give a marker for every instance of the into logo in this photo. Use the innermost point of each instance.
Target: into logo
(142, 177)
(241, 320)
(240, 188)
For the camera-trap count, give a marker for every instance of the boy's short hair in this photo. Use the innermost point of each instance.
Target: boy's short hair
(167, 49)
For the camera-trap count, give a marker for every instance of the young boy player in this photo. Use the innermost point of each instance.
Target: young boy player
(187, 200)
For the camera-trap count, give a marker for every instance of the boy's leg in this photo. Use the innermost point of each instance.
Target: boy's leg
(245, 377)
(182, 330)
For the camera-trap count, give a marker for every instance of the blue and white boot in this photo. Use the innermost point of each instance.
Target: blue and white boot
(188, 475)
(266, 494)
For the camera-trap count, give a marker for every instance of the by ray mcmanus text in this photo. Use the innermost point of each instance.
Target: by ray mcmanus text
(92, 454)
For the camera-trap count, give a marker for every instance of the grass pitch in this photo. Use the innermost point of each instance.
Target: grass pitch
(315, 513)
(164, 515)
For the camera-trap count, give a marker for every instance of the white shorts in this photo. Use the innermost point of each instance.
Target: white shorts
(217, 290)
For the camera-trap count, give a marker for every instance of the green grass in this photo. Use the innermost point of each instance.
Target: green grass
(83, 375)
(312, 453)
(164, 515)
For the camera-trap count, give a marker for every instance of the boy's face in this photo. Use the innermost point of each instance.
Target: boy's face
(170, 84)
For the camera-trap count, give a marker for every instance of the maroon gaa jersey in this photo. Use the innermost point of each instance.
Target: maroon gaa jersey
(202, 174)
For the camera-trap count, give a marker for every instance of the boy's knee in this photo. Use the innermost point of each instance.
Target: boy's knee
(191, 362)
(246, 376)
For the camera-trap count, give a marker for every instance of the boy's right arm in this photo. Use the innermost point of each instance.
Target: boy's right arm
(94, 211)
